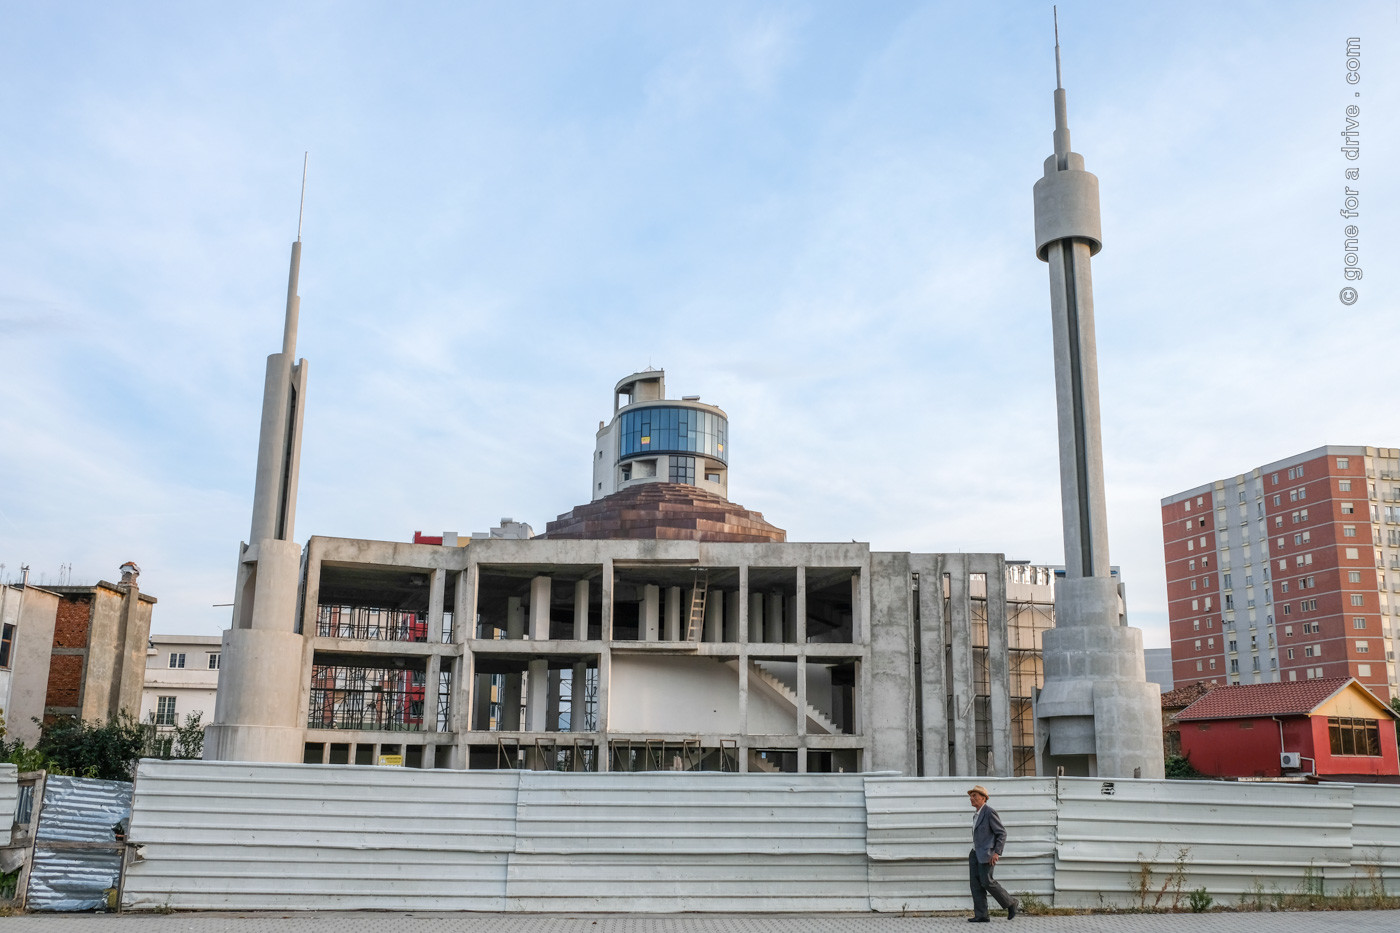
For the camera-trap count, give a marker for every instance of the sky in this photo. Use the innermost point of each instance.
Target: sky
(816, 215)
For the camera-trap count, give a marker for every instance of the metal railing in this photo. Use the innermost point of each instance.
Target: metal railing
(371, 623)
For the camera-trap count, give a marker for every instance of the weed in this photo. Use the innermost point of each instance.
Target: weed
(1200, 901)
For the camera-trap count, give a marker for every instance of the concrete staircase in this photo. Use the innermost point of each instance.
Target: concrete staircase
(815, 717)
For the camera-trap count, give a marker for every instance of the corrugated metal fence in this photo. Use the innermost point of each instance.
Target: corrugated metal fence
(220, 835)
(77, 855)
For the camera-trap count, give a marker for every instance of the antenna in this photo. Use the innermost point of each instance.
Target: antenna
(1054, 12)
(305, 156)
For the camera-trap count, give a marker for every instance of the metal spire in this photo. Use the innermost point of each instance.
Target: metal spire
(307, 155)
(1056, 13)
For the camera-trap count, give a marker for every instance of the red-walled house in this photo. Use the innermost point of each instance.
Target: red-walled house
(1333, 728)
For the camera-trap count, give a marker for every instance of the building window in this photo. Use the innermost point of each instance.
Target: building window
(1195, 625)
(1212, 663)
(1343, 463)
(1358, 599)
(1363, 647)
(1195, 605)
(1309, 651)
(1354, 736)
(1288, 631)
(1198, 664)
(1353, 576)
(1363, 670)
(1290, 654)
(1307, 605)
(1352, 553)
(6, 643)
(165, 710)
(1358, 621)
(1348, 508)
(213, 660)
(177, 659)
(1344, 485)
(1193, 584)
(1348, 531)
(1198, 644)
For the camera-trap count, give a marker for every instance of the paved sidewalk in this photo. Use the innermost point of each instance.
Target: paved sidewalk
(1360, 921)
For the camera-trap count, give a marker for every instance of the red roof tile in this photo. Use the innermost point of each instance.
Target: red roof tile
(1240, 701)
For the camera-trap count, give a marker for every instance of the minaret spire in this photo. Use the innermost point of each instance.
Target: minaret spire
(255, 715)
(1098, 714)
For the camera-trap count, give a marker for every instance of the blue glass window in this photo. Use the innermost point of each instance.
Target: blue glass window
(674, 430)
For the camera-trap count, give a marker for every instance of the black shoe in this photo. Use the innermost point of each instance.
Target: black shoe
(1011, 911)
(979, 919)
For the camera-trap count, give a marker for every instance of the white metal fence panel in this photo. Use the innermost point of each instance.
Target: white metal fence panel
(9, 789)
(1375, 838)
(919, 831)
(217, 835)
(1120, 841)
(664, 841)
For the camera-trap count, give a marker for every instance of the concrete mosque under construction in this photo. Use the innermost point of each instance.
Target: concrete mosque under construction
(662, 627)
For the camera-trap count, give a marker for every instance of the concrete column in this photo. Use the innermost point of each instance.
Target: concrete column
(741, 606)
(437, 587)
(933, 685)
(673, 613)
(773, 619)
(578, 698)
(756, 618)
(607, 608)
(464, 607)
(604, 681)
(430, 693)
(714, 616)
(581, 610)
(802, 701)
(743, 709)
(891, 696)
(537, 697)
(541, 592)
(511, 693)
(998, 669)
(964, 687)
(651, 612)
(799, 608)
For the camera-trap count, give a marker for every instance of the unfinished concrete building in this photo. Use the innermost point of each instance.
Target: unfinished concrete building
(659, 626)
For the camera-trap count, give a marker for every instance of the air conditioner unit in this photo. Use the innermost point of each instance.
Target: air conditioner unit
(1291, 761)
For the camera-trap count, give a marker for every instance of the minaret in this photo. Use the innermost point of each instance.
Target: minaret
(256, 716)
(1096, 714)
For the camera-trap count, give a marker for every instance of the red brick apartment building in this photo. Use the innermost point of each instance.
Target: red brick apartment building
(1284, 573)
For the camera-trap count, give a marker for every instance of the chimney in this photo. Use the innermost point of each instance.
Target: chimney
(130, 572)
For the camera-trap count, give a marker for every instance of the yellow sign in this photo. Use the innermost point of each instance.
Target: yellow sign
(393, 761)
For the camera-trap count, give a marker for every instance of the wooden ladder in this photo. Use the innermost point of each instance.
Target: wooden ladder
(698, 596)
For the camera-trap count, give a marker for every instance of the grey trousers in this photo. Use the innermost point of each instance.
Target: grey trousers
(979, 877)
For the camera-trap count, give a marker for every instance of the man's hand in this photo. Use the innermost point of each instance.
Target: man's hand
(995, 857)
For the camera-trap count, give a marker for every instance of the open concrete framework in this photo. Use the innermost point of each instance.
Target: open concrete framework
(582, 656)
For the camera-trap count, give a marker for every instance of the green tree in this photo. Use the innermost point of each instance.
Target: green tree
(1179, 768)
(108, 751)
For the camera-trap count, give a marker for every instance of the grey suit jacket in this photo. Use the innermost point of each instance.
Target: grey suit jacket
(988, 835)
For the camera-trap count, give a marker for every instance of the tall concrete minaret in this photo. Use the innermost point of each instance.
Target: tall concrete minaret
(1096, 714)
(256, 716)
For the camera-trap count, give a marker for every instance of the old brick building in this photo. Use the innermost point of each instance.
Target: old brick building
(95, 667)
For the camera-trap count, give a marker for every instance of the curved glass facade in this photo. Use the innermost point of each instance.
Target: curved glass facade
(665, 429)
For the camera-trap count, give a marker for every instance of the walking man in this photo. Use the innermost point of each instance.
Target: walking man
(988, 839)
